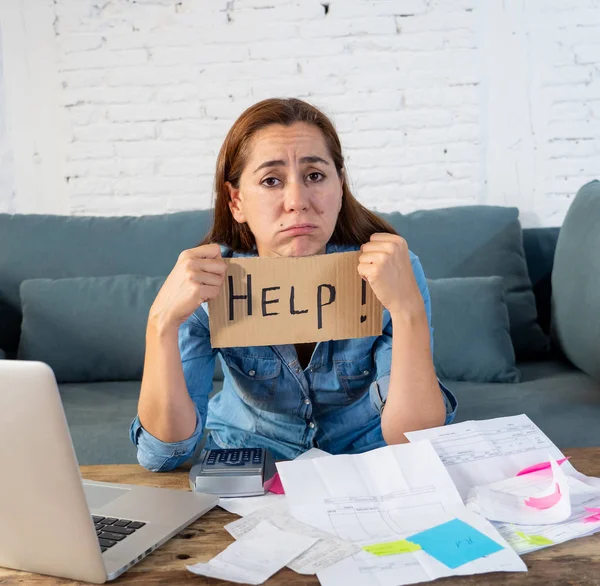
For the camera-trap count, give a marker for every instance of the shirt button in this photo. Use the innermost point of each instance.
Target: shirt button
(311, 425)
(252, 372)
(307, 401)
(365, 372)
(297, 369)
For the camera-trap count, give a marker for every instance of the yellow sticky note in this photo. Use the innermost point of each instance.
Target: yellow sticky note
(392, 547)
(535, 539)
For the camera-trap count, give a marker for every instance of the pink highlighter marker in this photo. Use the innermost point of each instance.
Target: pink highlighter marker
(540, 466)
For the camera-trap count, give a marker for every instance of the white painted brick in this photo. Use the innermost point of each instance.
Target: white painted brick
(574, 129)
(205, 150)
(571, 111)
(208, 54)
(153, 112)
(111, 167)
(77, 151)
(235, 33)
(297, 48)
(115, 132)
(353, 9)
(588, 53)
(79, 186)
(203, 200)
(190, 129)
(83, 79)
(559, 149)
(297, 12)
(326, 28)
(82, 114)
(104, 59)
(154, 185)
(568, 75)
(174, 167)
(149, 75)
(577, 92)
(80, 42)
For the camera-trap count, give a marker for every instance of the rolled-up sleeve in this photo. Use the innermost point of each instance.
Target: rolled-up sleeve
(198, 360)
(378, 390)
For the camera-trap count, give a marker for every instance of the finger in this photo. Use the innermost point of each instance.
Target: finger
(205, 278)
(366, 271)
(378, 246)
(214, 266)
(375, 257)
(206, 251)
(208, 292)
(385, 236)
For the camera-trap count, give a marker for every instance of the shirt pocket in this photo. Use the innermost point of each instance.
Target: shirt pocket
(355, 376)
(255, 377)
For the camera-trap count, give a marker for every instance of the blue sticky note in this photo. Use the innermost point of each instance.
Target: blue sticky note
(455, 543)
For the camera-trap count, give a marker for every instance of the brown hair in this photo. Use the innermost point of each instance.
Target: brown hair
(355, 223)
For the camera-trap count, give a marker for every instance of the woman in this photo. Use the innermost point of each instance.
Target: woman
(281, 191)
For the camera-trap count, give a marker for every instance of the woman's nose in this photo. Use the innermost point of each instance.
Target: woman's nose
(296, 197)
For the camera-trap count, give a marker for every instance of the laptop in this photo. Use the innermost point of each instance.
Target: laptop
(52, 522)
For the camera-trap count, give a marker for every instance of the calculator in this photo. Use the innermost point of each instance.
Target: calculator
(233, 472)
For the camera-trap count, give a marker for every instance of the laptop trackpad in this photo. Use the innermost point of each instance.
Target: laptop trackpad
(99, 496)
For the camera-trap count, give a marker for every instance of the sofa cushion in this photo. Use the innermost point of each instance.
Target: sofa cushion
(471, 331)
(478, 241)
(576, 282)
(540, 246)
(42, 246)
(88, 328)
(563, 401)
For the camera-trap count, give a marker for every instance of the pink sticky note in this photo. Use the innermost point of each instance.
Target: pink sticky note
(592, 519)
(276, 486)
(594, 510)
(540, 466)
(544, 502)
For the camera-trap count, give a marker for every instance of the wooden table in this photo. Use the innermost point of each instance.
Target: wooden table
(576, 562)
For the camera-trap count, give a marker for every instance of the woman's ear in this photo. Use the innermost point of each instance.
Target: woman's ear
(235, 203)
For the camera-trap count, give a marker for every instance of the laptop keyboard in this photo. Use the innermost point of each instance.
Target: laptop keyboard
(111, 530)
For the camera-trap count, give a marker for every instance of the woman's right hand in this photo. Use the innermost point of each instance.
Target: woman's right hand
(196, 277)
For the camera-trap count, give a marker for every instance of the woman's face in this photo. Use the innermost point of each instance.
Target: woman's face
(289, 193)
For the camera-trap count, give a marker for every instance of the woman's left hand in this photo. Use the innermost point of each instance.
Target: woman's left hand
(385, 264)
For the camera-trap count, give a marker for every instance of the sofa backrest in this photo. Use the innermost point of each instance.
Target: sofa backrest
(34, 246)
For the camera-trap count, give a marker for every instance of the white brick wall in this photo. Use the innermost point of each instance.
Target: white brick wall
(438, 102)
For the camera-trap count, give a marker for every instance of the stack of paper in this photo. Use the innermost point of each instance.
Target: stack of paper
(393, 494)
(508, 470)
(252, 560)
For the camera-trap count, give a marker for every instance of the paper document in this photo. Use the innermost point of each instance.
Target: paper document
(256, 557)
(247, 505)
(538, 498)
(326, 551)
(385, 495)
(479, 453)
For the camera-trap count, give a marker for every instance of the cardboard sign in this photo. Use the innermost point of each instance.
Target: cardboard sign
(269, 301)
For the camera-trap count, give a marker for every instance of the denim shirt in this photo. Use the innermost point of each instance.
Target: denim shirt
(268, 400)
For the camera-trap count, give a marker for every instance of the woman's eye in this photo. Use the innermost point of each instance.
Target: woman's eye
(315, 177)
(270, 182)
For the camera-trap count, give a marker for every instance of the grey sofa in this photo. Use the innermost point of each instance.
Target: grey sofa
(561, 398)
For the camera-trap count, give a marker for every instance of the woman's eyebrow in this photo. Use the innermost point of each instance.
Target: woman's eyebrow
(281, 163)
